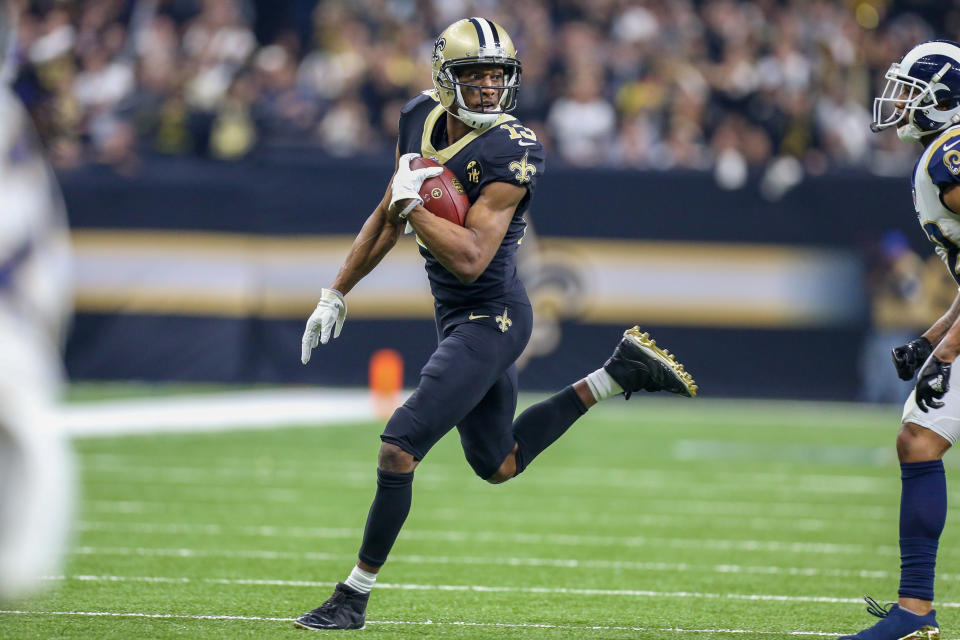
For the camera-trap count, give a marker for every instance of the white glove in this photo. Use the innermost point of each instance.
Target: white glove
(328, 317)
(407, 183)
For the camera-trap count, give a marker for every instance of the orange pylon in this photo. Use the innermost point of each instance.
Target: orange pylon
(386, 380)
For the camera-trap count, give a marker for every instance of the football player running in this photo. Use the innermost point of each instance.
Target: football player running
(482, 312)
(36, 480)
(921, 100)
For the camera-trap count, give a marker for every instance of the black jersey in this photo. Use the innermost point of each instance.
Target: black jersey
(505, 152)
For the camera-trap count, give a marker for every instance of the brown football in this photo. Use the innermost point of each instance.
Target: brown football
(443, 196)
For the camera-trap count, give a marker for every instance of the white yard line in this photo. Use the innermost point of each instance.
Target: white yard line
(558, 563)
(424, 623)
(676, 506)
(636, 481)
(268, 531)
(318, 405)
(476, 588)
(216, 412)
(648, 519)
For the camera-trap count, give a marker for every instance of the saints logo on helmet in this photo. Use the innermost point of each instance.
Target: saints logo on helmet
(467, 43)
(922, 94)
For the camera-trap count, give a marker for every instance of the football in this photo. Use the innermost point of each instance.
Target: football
(443, 196)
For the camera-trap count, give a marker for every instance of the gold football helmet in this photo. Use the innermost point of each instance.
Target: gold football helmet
(470, 42)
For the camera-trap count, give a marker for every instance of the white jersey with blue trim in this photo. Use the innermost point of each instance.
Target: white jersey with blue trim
(937, 169)
(35, 461)
(35, 279)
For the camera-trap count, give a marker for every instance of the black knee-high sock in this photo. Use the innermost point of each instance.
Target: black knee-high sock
(539, 426)
(387, 514)
(923, 512)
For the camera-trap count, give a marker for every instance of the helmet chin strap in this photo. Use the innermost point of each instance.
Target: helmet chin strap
(910, 133)
(472, 119)
(479, 121)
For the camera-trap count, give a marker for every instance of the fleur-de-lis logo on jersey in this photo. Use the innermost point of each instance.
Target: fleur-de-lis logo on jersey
(522, 170)
(504, 322)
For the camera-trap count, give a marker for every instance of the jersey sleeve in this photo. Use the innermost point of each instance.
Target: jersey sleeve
(411, 123)
(516, 157)
(944, 163)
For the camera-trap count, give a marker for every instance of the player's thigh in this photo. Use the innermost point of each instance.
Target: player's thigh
(452, 383)
(944, 421)
(486, 433)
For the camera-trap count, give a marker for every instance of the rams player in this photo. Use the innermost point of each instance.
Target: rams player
(482, 312)
(922, 100)
(36, 480)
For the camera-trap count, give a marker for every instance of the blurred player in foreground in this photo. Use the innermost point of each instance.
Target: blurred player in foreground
(35, 300)
(482, 311)
(921, 100)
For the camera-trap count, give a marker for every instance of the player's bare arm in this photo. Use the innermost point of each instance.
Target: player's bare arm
(377, 237)
(936, 333)
(933, 380)
(950, 196)
(467, 251)
(948, 346)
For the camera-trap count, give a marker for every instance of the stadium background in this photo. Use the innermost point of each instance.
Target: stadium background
(717, 183)
(711, 176)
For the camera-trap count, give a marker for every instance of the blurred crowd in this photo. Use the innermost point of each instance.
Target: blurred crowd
(720, 85)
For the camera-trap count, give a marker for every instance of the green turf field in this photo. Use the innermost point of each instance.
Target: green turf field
(655, 518)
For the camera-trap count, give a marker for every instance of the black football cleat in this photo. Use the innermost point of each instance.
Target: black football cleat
(345, 609)
(639, 364)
